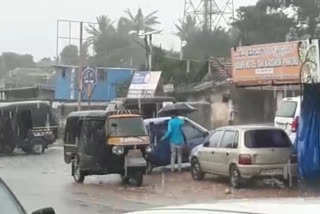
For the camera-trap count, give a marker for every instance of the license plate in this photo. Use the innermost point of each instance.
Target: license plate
(271, 172)
(134, 153)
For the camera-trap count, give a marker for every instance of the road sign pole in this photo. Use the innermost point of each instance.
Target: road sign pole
(80, 68)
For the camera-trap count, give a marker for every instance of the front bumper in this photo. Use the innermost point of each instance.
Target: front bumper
(276, 170)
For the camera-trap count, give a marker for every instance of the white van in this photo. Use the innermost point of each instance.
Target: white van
(287, 116)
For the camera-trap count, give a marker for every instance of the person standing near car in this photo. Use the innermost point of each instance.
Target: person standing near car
(176, 138)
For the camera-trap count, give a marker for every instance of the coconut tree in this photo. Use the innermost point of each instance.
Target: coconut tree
(187, 29)
(141, 23)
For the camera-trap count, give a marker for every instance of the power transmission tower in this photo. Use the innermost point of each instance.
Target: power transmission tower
(210, 14)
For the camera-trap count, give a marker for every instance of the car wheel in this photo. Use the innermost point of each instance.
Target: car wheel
(78, 175)
(235, 177)
(196, 172)
(137, 178)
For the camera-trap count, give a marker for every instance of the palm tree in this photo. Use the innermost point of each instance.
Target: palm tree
(105, 26)
(187, 29)
(139, 22)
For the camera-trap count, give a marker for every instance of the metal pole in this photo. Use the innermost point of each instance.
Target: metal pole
(57, 47)
(80, 68)
(150, 52)
(147, 52)
(69, 33)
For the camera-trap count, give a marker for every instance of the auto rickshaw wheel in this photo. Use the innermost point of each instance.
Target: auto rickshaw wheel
(37, 146)
(78, 175)
(8, 148)
(125, 180)
(149, 168)
(137, 178)
(26, 149)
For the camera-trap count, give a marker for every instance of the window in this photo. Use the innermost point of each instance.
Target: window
(215, 139)
(287, 109)
(8, 203)
(126, 127)
(191, 132)
(228, 139)
(236, 140)
(267, 139)
(101, 75)
(63, 73)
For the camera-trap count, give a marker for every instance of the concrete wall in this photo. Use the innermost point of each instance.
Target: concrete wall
(212, 111)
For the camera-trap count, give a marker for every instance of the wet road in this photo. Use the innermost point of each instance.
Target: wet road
(45, 180)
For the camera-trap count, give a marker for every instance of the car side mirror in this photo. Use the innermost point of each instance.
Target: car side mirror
(206, 134)
(206, 144)
(48, 210)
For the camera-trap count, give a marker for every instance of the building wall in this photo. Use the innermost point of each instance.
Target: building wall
(63, 89)
(108, 81)
(213, 113)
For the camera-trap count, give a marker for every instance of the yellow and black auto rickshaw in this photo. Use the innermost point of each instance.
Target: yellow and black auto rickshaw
(100, 142)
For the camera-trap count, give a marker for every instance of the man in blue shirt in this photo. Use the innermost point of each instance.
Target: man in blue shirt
(176, 139)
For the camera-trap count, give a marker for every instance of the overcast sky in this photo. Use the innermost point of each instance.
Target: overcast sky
(29, 26)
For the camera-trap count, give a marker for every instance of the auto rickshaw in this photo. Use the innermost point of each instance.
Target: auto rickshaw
(100, 142)
(27, 125)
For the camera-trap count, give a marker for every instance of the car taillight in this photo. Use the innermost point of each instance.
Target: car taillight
(245, 159)
(293, 158)
(294, 125)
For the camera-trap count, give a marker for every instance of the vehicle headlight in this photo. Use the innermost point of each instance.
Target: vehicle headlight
(37, 134)
(148, 149)
(118, 150)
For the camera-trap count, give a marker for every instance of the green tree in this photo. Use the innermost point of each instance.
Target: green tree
(10, 61)
(308, 17)
(187, 29)
(262, 23)
(70, 55)
(207, 44)
(141, 23)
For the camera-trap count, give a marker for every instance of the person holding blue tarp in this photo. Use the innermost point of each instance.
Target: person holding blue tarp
(176, 139)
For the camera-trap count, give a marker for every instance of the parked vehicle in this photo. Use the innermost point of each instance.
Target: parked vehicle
(287, 116)
(245, 152)
(29, 125)
(194, 134)
(11, 205)
(100, 142)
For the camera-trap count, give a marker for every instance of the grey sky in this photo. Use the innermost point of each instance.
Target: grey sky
(30, 26)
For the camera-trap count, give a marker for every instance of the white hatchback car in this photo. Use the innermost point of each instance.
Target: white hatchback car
(287, 116)
(245, 152)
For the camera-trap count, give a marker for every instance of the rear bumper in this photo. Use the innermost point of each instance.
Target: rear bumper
(283, 170)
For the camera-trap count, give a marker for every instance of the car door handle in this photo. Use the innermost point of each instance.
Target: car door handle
(227, 154)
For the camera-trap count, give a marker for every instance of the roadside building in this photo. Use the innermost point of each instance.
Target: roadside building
(110, 83)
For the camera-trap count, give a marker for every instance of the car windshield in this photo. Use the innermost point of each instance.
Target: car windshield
(81, 79)
(266, 139)
(126, 127)
(287, 109)
(8, 203)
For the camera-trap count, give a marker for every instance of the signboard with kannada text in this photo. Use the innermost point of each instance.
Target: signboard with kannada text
(276, 63)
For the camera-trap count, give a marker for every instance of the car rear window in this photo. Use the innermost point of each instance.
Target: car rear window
(287, 109)
(266, 139)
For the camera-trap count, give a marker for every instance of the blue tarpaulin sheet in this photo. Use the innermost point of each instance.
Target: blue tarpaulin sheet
(308, 140)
